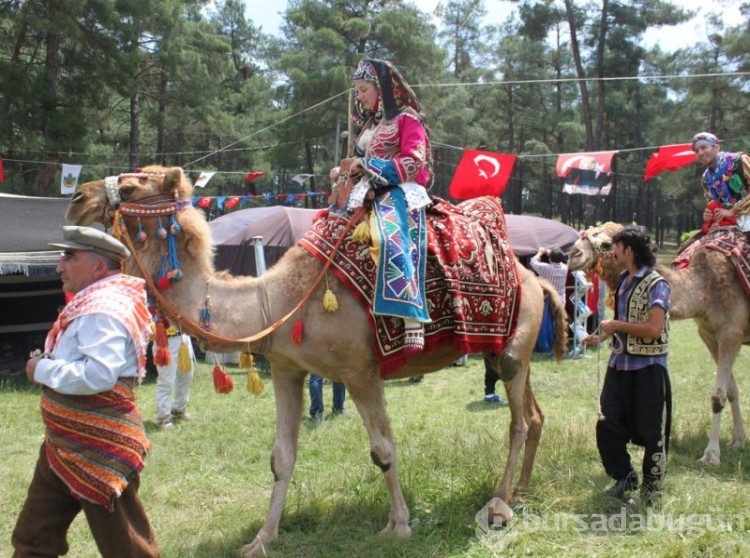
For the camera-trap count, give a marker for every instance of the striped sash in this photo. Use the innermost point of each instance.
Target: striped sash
(95, 443)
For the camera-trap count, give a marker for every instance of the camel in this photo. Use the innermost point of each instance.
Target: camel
(337, 345)
(709, 292)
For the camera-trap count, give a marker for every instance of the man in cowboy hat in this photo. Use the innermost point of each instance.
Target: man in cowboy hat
(95, 443)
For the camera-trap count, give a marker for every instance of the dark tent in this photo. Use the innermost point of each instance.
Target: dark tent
(280, 227)
(30, 290)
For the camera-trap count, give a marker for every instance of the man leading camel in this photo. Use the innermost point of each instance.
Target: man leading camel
(636, 400)
(95, 443)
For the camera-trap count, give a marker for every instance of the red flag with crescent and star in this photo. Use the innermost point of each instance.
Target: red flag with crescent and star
(668, 158)
(586, 173)
(481, 173)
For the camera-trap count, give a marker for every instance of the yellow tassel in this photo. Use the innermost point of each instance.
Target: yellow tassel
(254, 382)
(330, 303)
(246, 361)
(362, 233)
(184, 361)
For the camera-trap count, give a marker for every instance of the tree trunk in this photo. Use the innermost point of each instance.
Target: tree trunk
(580, 74)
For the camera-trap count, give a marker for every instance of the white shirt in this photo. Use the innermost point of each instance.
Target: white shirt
(90, 355)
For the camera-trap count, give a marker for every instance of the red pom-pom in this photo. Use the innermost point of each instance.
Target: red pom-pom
(161, 344)
(162, 283)
(222, 381)
(162, 357)
(298, 331)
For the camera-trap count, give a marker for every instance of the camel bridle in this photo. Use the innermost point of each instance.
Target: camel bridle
(163, 205)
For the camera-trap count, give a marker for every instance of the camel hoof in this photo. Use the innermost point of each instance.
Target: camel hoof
(402, 531)
(498, 512)
(710, 459)
(257, 547)
(737, 443)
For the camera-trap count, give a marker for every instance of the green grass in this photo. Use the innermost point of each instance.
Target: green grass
(207, 483)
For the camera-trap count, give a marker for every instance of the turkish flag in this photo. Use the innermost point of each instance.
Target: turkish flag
(586, 173)
(252, 175)
(2, 176)
(481, 173)
(668, 158)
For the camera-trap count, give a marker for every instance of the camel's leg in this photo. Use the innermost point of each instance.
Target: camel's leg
(288, 393)
(368, 398)
(738, 429)
(724, 353)
(518, 429)
(535, 421)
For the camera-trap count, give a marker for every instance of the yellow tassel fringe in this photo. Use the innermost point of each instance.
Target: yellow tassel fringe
(246, 360)
(254, 382)
(184, 360)
(362, 233)
(330, 302)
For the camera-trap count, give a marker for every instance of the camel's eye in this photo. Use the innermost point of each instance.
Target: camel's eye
(606, 246)
(127, 191)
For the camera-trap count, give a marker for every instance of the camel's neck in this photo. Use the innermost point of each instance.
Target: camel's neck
(240, 307)
(685, 301)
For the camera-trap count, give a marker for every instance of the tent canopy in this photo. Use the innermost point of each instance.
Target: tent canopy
(29, 225)
(281, 227)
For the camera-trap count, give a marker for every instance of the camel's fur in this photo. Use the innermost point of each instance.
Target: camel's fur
(336, 345)
(709, 292)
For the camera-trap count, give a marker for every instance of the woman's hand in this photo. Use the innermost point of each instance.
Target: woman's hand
(334, 174)
(354, 165)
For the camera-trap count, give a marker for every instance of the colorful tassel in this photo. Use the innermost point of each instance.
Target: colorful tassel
(330, 303)
(298, 331)
(246, 360)
(362, 233)
(222, 381)
(205, 315)
(141, 235)
(254, 382)
(161, 354)
(161, 232)
(184, 360)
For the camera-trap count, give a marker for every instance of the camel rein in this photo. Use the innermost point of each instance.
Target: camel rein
(185, 323)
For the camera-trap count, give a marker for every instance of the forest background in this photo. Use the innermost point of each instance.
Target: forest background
(115, 85)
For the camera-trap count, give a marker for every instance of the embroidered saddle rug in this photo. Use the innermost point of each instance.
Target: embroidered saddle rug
(729, 241)
(472, 286)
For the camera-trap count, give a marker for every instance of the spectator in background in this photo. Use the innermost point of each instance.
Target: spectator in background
(174, 378)
(317, 408)
(490, 379)
(550, 264)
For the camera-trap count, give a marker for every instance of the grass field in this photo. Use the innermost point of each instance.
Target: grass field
(207, 482)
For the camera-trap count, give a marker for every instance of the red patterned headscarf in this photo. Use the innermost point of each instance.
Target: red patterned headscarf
(395, 94)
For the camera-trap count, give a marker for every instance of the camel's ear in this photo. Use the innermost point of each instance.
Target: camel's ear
(172, 180)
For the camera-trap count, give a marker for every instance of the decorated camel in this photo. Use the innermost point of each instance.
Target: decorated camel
(250, 314)
(709, 291)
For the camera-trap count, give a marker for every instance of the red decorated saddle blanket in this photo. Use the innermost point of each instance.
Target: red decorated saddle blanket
(472, 284)
(729, 241)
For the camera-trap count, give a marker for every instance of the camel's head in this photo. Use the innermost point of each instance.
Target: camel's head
(98, 200)
(592, 247)
(148, 202)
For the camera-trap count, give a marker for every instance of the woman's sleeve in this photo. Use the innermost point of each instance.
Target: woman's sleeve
(410, 159)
